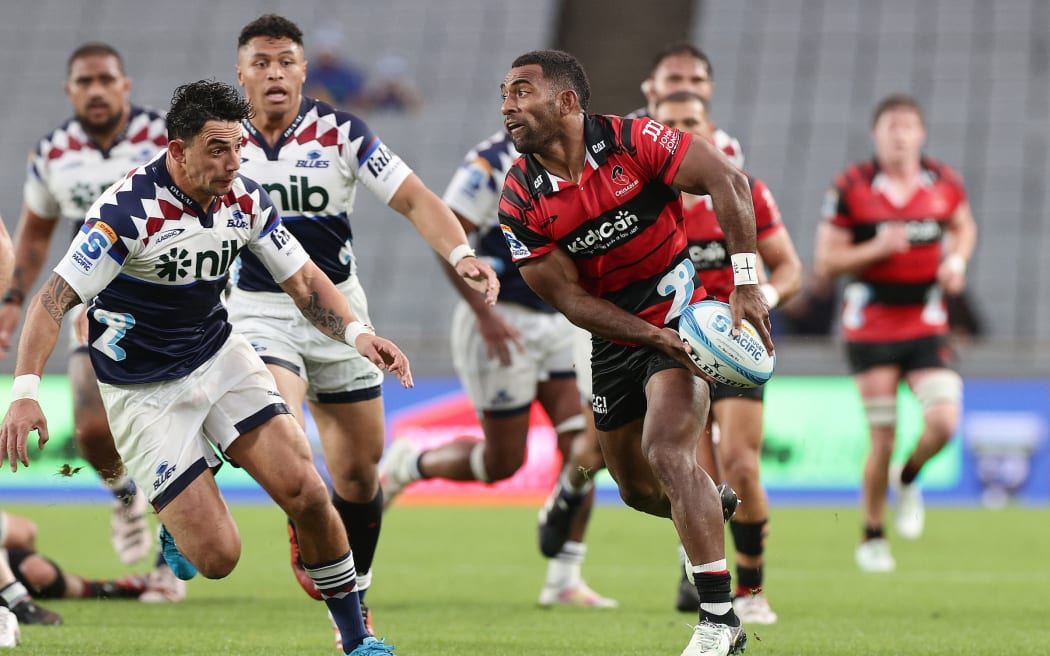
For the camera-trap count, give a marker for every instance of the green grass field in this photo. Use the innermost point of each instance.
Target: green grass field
(464, 581)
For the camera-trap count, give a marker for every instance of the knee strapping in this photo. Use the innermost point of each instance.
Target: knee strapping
(749, 537)
(571, 425)
(881, 411)
(943, 386)
(477, 463)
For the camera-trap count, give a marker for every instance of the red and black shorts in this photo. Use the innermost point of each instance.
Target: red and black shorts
(720, 391)
(922, 353)
(619, 374)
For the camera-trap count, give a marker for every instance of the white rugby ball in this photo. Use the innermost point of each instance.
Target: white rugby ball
(740, 361)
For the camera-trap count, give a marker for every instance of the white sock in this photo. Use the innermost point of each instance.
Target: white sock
(564, 569)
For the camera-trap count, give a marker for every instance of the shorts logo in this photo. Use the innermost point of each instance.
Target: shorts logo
(164, 472)
(518, 250)
(599, 405)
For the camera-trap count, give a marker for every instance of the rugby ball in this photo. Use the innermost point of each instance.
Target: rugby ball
(740, 361)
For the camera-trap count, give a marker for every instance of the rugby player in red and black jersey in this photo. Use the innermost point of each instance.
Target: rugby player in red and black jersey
(737, 412)
(593, 218)
(901, 227)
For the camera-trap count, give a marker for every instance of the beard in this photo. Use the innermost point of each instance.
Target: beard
(103, 128)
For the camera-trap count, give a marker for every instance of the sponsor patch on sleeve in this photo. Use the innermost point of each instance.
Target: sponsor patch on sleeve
(96, 242)
(518, 250)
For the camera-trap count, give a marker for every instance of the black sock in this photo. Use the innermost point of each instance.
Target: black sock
(362, 522)
(748, 580)
(909, 473)
(714, 588)
(873, 533)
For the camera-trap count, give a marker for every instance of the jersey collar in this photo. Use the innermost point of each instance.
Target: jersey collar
(165, 180)
(272, 152)
(599, 137)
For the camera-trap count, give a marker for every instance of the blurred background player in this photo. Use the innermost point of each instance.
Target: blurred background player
(737, 412)
(681, 66)
(13, 592)
(900, 226)
(43, 577)
(106, 137)
(311, 157)
(506, 356)
(7, 257)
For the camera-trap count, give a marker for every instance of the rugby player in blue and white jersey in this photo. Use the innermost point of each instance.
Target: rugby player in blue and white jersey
(68, 169)
(152, 261)
(507, 356)
(311, 158)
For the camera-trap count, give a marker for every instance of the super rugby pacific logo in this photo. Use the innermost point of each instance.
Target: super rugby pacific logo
(97, 241)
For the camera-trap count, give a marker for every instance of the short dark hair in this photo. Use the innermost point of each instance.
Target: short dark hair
(196, 103)
(272, 26)
(94, 49)
(676, 49)
(683, 95)
(562, 68)
(896, 101)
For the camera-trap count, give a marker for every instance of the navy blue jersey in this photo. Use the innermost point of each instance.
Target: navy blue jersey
(311, 175)
(152, 264)
(474, 194)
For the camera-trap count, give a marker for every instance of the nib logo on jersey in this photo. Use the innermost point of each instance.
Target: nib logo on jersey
(707, 255)
(298, 195)
(602, 234)
(177, 264)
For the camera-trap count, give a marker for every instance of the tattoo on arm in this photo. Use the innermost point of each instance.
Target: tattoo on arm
(58, 297)
(324, 318)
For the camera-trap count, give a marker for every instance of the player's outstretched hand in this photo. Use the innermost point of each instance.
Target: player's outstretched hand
(386, 355)
(480, 276)
(23, 417)
(747, 302)
(499, 336)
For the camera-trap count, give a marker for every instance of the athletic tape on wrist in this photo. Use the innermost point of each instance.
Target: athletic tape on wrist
(460, 252)
(745, 268)
(354, 330)
(26, 386)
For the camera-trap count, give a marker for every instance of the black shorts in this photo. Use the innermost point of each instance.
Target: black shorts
(720, 391)
(923, 353)
(619, 375)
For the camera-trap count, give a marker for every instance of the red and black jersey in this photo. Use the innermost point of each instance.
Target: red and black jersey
(898, 298)
(622, 224)
(707, 242)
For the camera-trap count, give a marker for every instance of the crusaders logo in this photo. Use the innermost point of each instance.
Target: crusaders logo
(618, 176)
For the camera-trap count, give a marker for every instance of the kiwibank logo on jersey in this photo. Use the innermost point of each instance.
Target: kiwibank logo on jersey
(606, 234)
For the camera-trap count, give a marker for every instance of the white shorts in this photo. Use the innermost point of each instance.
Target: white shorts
(282, 336)
(581, 357)
(493, 387)
(164, 431)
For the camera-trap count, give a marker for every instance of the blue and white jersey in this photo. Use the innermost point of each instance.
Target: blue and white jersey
(312, 175)
(155, 264)
(67, 171)
(474, 193)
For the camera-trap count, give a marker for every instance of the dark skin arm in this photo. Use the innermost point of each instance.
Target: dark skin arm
(705, 170)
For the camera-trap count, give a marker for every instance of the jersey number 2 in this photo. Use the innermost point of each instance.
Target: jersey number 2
(117, 325)
(677, 281)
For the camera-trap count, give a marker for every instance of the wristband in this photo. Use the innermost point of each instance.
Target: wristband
(745, 268)
(26, 386)
(771, 294)
(460, 252)
(355, 330)
(955, 262)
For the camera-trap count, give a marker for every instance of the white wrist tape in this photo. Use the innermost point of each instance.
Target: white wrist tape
(771, 294)
(354, 330)
(26, 386)
(955, 263)
(745, 268)
(460, 252)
